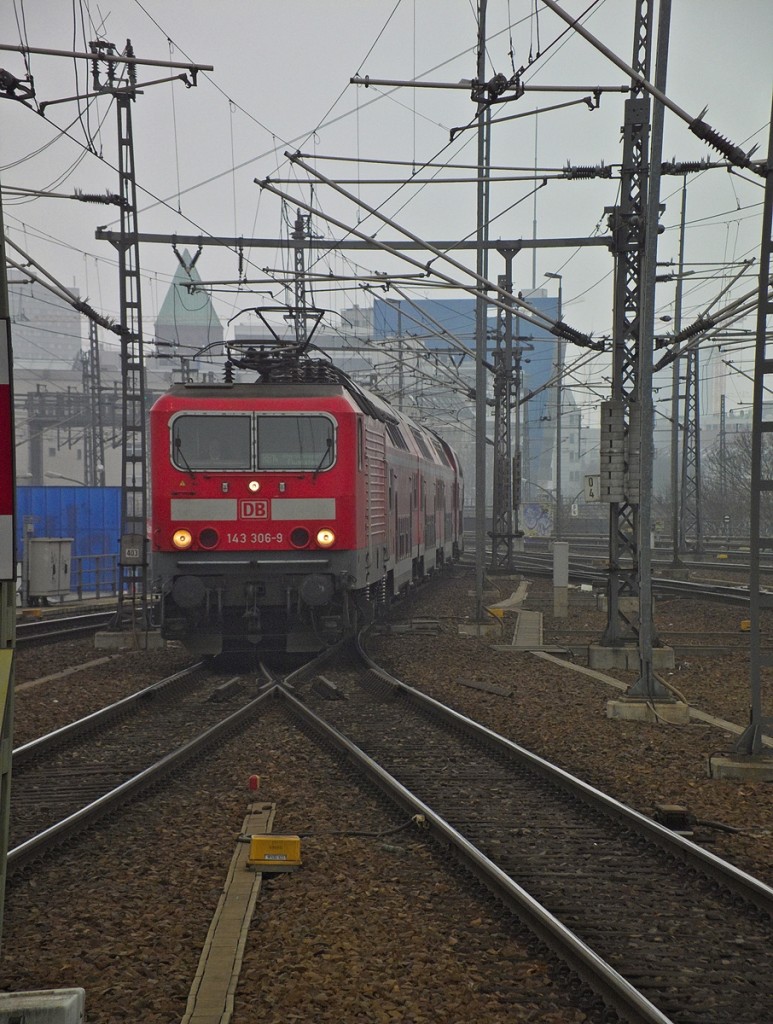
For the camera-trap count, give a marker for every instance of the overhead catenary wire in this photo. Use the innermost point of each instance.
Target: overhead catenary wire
(555, 327)
(324, 122)
(440, 331)
(446, 165)
(61, 291)
(695, 332)
(428, 181)
(44, 236)
(66, 131)
(696, 125)
(529, 313)
(301, 138)
(101, 158)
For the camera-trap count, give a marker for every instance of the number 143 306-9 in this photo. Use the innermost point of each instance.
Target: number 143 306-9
(255, 538)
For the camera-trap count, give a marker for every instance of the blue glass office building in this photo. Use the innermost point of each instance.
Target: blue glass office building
(438, 321)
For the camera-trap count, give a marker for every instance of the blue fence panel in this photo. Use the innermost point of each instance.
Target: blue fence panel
(90, 515)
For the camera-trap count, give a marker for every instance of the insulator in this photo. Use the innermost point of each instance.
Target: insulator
(710, 135)
(587, 171)
(90, 197)
(563, 330)
(684, 166)
(131, 71)
(579, 172)
(83, 307)
(701, 324)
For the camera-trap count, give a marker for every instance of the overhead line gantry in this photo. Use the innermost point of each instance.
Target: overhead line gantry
(105, 62)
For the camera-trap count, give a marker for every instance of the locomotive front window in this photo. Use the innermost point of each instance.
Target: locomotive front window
(295, 443)
(212, 442)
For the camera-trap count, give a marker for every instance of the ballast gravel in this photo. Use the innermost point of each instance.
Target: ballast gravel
(375, 926)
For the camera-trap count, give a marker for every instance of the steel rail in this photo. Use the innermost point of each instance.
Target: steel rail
(742, 883)
(607, 982)
(97, 719)
(542, 565)
(45, 629)
(35, 847)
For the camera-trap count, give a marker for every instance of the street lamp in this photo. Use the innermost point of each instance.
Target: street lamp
(559, 375)
(70, 479)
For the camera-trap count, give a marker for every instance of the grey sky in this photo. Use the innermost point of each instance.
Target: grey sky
(281, 79)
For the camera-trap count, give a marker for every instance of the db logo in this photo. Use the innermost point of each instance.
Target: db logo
(253, 510)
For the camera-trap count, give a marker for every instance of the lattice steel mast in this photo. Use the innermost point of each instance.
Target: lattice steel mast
(620, 427)
(481, 307)
(94, 434)
(301, 231)
(506, 474)
(723, 447)
(685, 474)
(690, 518)
(133, 575)
(629, 590)
(761, 531)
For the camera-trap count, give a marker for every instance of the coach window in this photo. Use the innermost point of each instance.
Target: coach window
(295, 443)
(211, 442)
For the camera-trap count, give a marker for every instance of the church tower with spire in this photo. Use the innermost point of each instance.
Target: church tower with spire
(188, 331)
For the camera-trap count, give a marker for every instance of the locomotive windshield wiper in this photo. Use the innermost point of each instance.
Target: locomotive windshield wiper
(325, 454)
(179, 452)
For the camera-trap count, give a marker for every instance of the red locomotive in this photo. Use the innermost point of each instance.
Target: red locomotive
(285, 510)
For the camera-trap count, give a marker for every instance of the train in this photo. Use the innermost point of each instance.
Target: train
(285, 511)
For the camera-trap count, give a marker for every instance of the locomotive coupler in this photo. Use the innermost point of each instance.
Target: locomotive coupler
(252, 626)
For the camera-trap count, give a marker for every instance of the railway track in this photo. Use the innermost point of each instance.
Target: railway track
(60, 627)
(66, 780)
(591, 574)
(659, 928)
(716, 556)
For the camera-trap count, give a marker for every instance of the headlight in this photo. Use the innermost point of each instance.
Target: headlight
(182, 539)
(326, 538)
